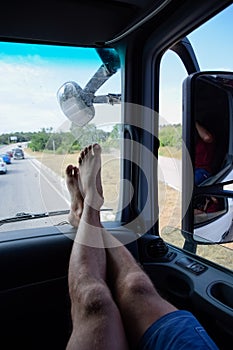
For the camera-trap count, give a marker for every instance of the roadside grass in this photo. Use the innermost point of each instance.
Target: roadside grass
(110, 170)
(169, 202)
(171, 152)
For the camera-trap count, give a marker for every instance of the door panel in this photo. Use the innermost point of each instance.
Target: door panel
(194, 284)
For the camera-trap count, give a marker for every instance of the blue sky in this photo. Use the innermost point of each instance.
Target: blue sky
(30, 75)
(213, 45)
(60, 55)
(213, 42)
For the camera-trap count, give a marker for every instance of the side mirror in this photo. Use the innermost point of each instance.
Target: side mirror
(77, 103)
(213, 217)
(208, 137)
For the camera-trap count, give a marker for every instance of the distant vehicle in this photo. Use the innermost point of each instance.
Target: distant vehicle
(3, 168)
(18, 153)
(10, 153)
(6, 158)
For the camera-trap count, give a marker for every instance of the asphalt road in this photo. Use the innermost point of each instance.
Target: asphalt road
(31, 188)
(170, 172)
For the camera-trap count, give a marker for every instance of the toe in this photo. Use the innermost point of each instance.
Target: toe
(76, 171)
(69, 170)
(81, 156)
(96, 148)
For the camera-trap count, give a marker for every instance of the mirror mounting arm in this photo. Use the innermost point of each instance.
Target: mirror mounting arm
(98, 79)
(215, 190)
(186, 53)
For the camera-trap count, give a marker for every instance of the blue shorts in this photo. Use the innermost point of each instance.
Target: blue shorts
(178, 330)
(201, 175)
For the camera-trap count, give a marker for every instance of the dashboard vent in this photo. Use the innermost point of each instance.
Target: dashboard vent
(157, 248)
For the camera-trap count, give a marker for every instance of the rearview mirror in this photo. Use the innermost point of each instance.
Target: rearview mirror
(208, 137)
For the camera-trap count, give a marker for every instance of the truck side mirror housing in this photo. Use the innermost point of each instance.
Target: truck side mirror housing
(208, 137)
(77, 103)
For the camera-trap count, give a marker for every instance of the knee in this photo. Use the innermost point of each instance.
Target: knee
(137, 283)
(93, 299)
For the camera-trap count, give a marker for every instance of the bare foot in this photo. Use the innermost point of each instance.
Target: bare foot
(89, 169)
(73, 185)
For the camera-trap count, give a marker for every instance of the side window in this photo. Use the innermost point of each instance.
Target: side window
(213, 48)
(37, 140)
(172, 74)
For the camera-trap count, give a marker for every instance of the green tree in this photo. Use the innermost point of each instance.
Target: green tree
(88, 134)
(171, 136)
(39, 140)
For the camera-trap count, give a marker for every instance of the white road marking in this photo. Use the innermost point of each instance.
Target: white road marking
(33, 163)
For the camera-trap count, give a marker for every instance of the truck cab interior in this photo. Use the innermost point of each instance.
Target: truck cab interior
(34, 260)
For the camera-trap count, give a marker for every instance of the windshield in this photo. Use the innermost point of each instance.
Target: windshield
(40, 139)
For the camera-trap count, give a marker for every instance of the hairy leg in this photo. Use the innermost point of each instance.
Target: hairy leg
(73, 185)
(96, 319)
(139, 303)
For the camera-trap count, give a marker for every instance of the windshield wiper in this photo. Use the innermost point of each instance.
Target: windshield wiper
(30, 216)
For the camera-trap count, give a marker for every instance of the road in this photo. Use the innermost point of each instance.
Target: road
(30, 187)
(170, 171)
